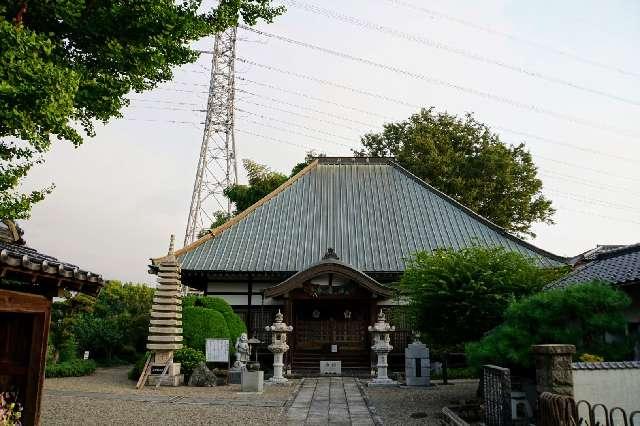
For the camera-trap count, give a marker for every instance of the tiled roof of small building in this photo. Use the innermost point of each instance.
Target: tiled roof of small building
(21, 258)
(618, 266)
(614, 365)
(370, 210)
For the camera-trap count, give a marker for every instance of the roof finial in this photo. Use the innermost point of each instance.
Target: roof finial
(172, 242)
(330, 254)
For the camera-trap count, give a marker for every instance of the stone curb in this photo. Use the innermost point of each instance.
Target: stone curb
(372, 410)
(292, 398)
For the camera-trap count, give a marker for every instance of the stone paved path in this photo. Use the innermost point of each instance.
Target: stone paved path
(330, 400)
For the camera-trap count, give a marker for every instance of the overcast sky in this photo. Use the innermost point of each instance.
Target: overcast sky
(567, 74)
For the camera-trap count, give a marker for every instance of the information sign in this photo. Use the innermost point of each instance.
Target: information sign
(217, 350)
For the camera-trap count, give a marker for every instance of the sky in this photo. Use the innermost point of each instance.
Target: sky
(562, 77)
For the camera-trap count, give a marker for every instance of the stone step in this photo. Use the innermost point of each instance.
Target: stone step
(168, 322)
(168, 339)
(166, 315)
(165, 330)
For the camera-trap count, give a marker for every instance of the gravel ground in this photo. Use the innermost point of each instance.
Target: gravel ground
(396, 406)
(107, 402)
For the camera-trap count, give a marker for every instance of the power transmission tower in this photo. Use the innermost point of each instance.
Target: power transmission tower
(217, 165)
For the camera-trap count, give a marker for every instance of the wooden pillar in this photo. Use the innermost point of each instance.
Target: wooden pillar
(250, 329)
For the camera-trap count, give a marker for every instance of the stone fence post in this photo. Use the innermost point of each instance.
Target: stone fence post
(553, 368)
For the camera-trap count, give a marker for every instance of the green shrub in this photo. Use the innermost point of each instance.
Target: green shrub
(458, 373)
(456, 296)
(189, 300)
(189, 359)
(199, 324)
(136, 371)
(234, 323)
(68, 350)
(580, 315)
(75, 368)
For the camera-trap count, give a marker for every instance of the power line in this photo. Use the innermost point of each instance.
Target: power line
(333, 123)
(306, 147)
(339, 117)
(293, 132)
(399, 101)
(516, 38)
(455, 86)
(331, 14)
(313, 98)
(289, 123)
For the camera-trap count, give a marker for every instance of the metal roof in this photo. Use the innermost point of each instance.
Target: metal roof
(618, 266)
(374, 213)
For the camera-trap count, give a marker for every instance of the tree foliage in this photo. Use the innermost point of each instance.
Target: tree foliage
(262, 181)
(112, 326)
(464, 159)
(581, 315)
(66, 64)
(457, 296)
(233, 322)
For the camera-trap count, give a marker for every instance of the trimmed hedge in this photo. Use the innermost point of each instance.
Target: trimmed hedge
(75, 368)
(199, 324)
(234, 323)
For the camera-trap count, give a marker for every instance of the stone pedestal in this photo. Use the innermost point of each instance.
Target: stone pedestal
(235, 377)
(381, 346)
(252, 381)
(553, 368)
(278, 347)
(416, 364)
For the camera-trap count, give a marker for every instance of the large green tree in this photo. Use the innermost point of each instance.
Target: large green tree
(262, 180)
(582, 315)
(467, 161)
(67, 64)
(457, 296)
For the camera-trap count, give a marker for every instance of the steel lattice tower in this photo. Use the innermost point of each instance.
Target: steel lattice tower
(217, 165)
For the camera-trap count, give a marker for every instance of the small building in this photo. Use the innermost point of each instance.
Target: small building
(617, 265)
(327, 247)
(29, 280)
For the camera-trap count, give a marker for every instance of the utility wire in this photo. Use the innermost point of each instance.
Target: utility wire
(328, 13)
(289, 123)
(515, 38)
(418, 76)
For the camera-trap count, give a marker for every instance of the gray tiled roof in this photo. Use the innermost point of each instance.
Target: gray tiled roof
(373, 212)
(619, 266)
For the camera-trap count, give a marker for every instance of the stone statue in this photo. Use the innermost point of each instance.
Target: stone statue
(243, 351)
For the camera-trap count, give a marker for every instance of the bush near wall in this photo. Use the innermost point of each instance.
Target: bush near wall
(189, 359)
(234, 323)
(580, 315)
(199, 324)
(74, 368)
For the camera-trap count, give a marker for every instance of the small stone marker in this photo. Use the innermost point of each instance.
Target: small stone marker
(331, 367)
(86, 355)
(416, 364)
(252, 381)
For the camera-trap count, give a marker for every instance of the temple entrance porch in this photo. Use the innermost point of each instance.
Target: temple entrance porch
(331, 330)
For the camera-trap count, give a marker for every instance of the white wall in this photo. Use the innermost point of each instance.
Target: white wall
(613, 388)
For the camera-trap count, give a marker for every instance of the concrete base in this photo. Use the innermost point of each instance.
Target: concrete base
(166, 380)
(382, 382)
(252, 381)
(280, 381)
(417, 381)
(235, 377)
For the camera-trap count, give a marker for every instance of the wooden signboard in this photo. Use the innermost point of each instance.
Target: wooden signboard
(217, 350)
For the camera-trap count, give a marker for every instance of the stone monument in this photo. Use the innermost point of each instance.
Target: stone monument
(278, 346)
(165, 328)
(416, 364)
(381, 346)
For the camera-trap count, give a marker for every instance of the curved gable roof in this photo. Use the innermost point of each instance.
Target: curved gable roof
(372, 211)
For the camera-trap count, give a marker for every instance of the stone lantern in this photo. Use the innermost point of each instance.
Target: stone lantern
(278, 346)
(381, 346)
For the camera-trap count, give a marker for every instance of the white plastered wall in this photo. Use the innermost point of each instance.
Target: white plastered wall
(611, 387)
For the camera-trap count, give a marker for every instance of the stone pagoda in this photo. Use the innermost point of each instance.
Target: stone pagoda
(165, 329)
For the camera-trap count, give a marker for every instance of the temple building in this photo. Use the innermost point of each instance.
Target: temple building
(326, 248)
